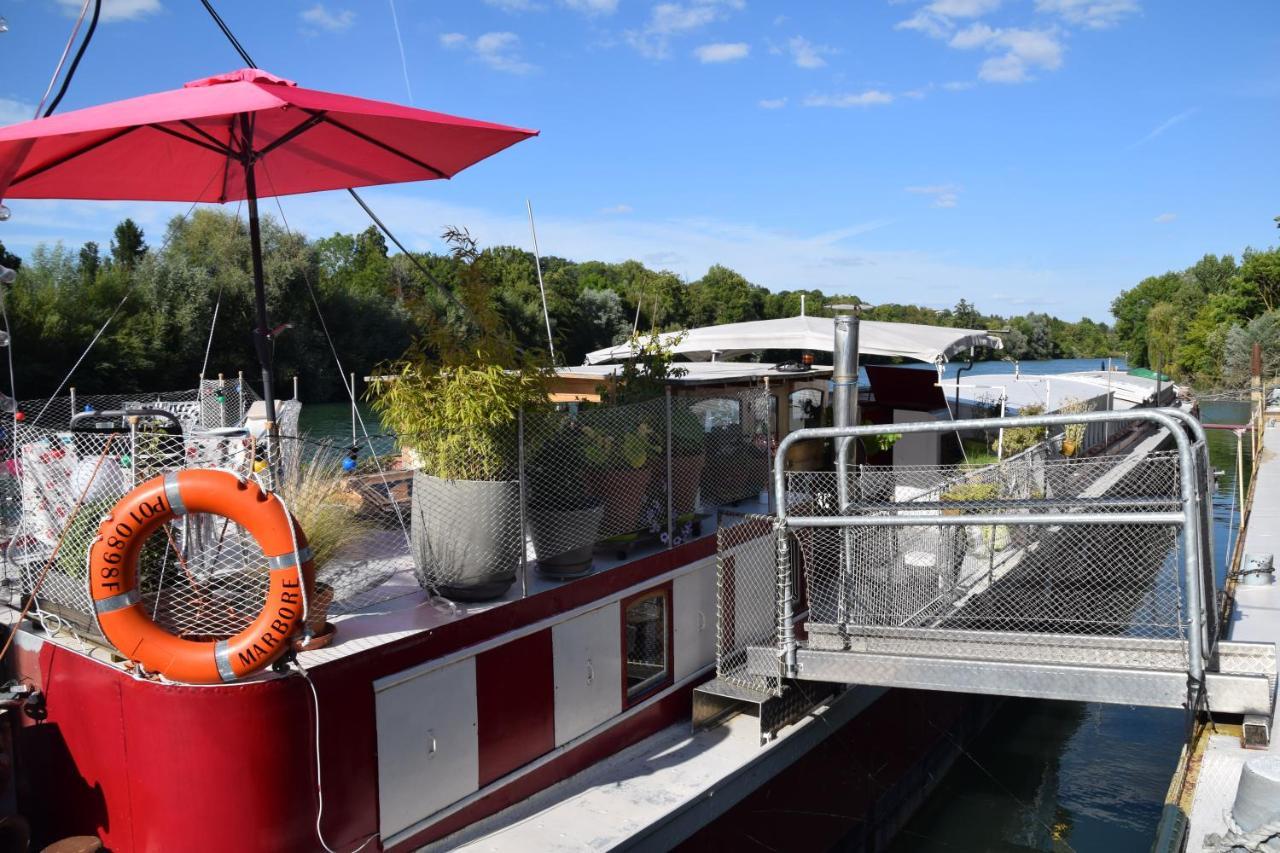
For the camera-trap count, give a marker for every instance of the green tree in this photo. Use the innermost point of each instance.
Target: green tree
(128, 244)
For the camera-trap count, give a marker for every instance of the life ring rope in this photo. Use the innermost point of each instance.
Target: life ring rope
(117, 598)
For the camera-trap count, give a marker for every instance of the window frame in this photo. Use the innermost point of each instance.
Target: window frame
(663, 591)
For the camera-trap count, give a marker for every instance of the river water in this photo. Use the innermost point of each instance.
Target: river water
(1043, 776)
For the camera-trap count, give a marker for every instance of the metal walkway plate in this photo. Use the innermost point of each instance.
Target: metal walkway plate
(1115, 670)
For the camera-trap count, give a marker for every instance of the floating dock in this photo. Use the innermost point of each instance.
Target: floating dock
(1202, 807)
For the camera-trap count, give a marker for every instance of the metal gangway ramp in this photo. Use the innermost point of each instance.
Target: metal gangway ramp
(1085, 579)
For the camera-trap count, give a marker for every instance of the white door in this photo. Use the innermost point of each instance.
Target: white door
(695, 626)
(587, 655)
(428, 755)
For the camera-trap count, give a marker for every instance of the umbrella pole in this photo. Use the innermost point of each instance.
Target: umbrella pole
(262, 334)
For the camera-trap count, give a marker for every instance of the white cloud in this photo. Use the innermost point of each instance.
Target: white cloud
(722, 52)
(917, 94)
(591, 7)
(937, 19)
(12, 112)
(1166, 217)
(1021, 51)
(772, 103)
(1163, 126)
(335, 22)
(806, 54)
(963, 8)
(669, 20)
(1092, 14)
(957, 85)
(514, 5)
(115, 10)
(617, 208)
(869, 98)
(975, 35)
(943, 195)
(500, 51)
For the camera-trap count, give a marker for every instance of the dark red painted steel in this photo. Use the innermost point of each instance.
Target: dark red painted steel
(515, 701)
(159, 767)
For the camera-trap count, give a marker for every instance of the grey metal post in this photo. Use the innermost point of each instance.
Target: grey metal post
(768, 440)
(671, 504)
(844, 361)
(520, 477)
(1202, 536)
(74, 412)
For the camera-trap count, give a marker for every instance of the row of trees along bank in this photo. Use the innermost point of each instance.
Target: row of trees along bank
(378, 306)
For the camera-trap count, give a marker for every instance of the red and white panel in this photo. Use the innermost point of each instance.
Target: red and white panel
(587, 664)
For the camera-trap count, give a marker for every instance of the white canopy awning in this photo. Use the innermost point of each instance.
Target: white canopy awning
(903, 340)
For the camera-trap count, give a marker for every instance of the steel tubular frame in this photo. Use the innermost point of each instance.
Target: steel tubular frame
(1192, 519)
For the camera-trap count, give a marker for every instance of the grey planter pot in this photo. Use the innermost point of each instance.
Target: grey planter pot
(564, 539)
(466, 536)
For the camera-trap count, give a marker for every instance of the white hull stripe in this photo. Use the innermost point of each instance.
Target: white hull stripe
(222, 656)
(173, 494)
(117, 602)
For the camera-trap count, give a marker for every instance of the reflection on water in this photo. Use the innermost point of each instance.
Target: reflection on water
(1056, 776)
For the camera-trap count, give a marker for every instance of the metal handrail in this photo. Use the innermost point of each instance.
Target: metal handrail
(1190, 519)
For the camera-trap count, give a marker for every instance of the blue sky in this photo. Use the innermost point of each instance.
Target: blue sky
(1023, 154)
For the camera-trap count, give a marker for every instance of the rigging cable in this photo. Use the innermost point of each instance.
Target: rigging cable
(133, 283)
(226, 31)
(213, 321)
(57, 71)
(75, 63)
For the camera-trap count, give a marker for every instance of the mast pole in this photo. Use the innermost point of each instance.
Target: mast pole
(262, 334)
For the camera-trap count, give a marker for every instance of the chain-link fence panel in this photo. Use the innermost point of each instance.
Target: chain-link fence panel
(1107, 580)
(746, 603)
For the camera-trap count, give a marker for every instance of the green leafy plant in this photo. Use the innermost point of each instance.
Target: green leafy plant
(688, 438)
(1073, 434)
(608, 449)
(1018, 439)
(971, 492)
(316, 491)
(455, 398)
(644, 376)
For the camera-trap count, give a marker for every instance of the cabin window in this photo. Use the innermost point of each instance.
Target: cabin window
(806, 408)
(764, 414)
(646, 637)
(718, 412)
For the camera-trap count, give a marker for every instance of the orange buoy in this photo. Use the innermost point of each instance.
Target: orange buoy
(117, 601)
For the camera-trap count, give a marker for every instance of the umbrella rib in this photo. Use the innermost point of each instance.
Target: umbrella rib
(384, 146)
(222, 146)
(221, 151)
(302, 128)
(39, 170)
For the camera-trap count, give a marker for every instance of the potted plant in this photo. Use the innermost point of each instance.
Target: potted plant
(688, 459)
(454, 400)
(564, 516)
(316, 492)
(619, 452)
(1073, 434)
(983, 539)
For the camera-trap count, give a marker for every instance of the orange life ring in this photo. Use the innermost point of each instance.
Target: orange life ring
(117, 601)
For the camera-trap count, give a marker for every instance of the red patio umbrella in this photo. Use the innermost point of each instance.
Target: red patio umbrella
(238, 136)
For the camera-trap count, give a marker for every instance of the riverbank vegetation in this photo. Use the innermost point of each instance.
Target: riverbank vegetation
(167, 292)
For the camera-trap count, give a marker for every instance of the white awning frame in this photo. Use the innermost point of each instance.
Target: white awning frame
(931, 344)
